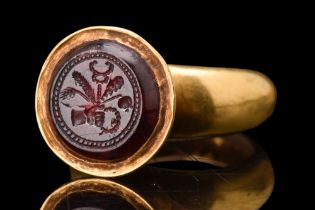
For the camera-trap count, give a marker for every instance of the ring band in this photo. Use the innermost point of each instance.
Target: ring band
(105, 101)
(214, 101)
(245, 181)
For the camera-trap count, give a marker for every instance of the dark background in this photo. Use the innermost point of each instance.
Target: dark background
(260, 38)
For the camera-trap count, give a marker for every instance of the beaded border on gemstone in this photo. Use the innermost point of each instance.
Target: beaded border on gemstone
(75, 139)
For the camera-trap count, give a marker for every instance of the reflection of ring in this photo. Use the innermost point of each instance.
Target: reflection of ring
(98, 194)
(102, 68)
(245, 180)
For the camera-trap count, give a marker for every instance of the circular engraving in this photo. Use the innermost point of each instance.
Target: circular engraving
(96, 101)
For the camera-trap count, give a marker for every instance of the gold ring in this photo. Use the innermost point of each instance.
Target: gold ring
(105, 101)
(244, 180)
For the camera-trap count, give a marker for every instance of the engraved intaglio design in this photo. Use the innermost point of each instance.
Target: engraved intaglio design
(96, 101)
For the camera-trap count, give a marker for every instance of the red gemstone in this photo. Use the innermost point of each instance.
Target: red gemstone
(104, 100)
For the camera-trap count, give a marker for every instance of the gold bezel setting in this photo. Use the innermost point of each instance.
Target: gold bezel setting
(166, 111)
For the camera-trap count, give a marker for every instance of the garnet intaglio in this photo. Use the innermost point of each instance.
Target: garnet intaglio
(104, 101)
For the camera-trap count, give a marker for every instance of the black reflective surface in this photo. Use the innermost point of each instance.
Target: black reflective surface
(243, 179)
(261, 38)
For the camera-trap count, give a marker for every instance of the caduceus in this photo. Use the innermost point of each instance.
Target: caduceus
(95, 109)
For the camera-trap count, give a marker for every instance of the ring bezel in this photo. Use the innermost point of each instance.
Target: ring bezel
(167, 101)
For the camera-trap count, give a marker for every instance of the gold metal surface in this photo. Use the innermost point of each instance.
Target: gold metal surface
(244, 181)
(166, 112)
(98, 185)
(213, 101)
(210, 101)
